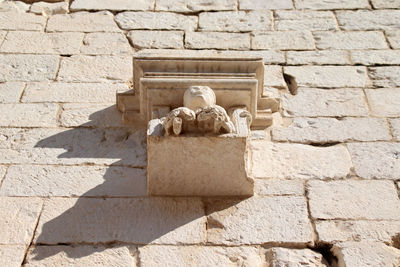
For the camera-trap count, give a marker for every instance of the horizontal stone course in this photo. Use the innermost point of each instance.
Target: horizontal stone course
(332, 4)
(283, 40)
(368, 19)
(278, 187)
(194, 5)
(305, 20)
(28, 115)
(10, 92)
(385, 3)
(115, 5)
(385, 76)
(260, 4)
(384, 102)
(373, 57)
(21, 21)
(319, 57)
(99, 43)
(217, 40)
(156, 39)
(350, 40)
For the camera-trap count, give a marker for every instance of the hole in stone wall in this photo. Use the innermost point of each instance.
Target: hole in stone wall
(396, 241)
(291, 83)
(325, 250)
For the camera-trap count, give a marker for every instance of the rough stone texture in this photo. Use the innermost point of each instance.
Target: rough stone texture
(21, 21)
(2, 36)
(330, 130)
(258, 221)
(354, 199)
(376, 160)
(385, 76)
(278, 187)
(323, 57)
(18, 218)
(326, 103)
(260, 4)
(12, 255)
(341, 231)
(198, 256)
(329, 76)
(368, 20)
(156, 39)
(331, 4)
(350, 40)
(283, 40)
(105, 43)
(393, 37)
(2, 172)
(140, 221)
(42, 43)
(90, 115)
(155, 21)
(13, 6)
(47, 9)
(305, 20)
(28, 67)
(273, 76)
(82, 22)
(395, 124)
(194, 5)
(353, 254)
(275, 160)
(294, 257)
(115, 5)
(47, 256)
(386, 3)
(28, 115)
(95, 69)
(10, 92)
(373, 57)
(384, 102)
(217, 40)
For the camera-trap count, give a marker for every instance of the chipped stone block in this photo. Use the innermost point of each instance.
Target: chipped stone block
(385, 76)
(90, 115)
(10, 92)
(305, 20)
(217, 40)
(28, 115)
(322, 57)
(21, 21)
(350, 40)
(283, 40)
(194, 5)
(260, 4)
(368, 19)
(12, 255)
(332, 4)
(393, 37)
(395, 124)
(278, 187)
(294, 257)
(374, 57)
(114, 5)
(48, 9)
(384, 102)
(98, 43)
(156, 39)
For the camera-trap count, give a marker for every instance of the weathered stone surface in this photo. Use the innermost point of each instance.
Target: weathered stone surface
(67, 181)
(350, 40)
(45, 43)
(329, 130)
(340, 231)
(156, 39)
(2, 36)
(105, 43)
(155, 21)
(48, 9)
(294, 257)
(275, 160)
(123, 147)
(115, 5)
(21, 21)
(385, 76)
(12, 255)
(82, 22)
(386, 3)
(354, 254)
(278, 187)
(273, 76)
(279, 219)
(283, 40)
(322, 57)
(28, 115)
(368, 19)
(329, 76)
(305, 20)
(95, 69)
(198, 256)
(14, 6)
(395, 124)
(141, 221)
(260, 4)
(354, 199)
(217, 40)
(47, 256)
(11, 92)
(18, 218)
(74, 115)
(72, 92)
(376, 160)
(393, 37)
(373, 57)
(384, 102)
(331, 4)
(235, 21)
(2, 171)
(28, 67)
(194, 5)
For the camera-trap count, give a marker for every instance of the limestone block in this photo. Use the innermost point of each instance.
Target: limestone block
(393, 37)
(368, 19)
(305, 20)
(376, 160)
(114, 5)
(68, 181)
(155, 21)
(18, 218)
(82, 22)
(95, 69)
(385, 76)
(235, 21)
(130, 220)
(198, 256)
(48, 9)
(385, 3)
(10, 92)
(294, 257)
(21, 21)
(105, 43)
(273, 77)
(295, 161)
(90, 115)
(350, 40)
(279, 219)
(217, 40)
(260, 4)
(28, 67)
(14, 6)
(28, 115)
(2, 172)
(326, 103)
(395, 124)
(194, 5)
(278, 187)
(374, 57)
(45, 43)
(384, 102)
(156, 39)
(354, 254)
(330, 130)
(341, 231)
(2, 36)
(283, 40)
(354, 199)
(322, 57)
(12, 255)
(331, 4)
(47, 256)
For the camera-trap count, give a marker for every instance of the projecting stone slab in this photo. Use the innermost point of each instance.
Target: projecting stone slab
(11, 92)
(278, 187)
(98, 43)
(260, 4)
(294, 257)
(395, 123)
(385, 76)
(115, 5)
(384, 102)
(194, 5)
(283, 40)
(28, 115)
(12, 255)
(21, 21)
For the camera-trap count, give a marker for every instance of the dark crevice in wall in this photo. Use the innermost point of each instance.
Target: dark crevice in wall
(326, 251)
(291, 83)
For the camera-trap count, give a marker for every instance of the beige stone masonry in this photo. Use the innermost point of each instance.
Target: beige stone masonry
(332, 4)
(260, 4)
(395, 124)
(393, 37)
(10, 92)
(48, 9)
(273, 77)
(368, 20)
(294, 257)
(28, 115)
(305, 20)
(98, 43)
(114, 5)
(350, 40)
(384, 102)
(217, 40)
(156, 39)
(21, 21)
(12, 255)
(2, 172)
(278, 187)
(386, 3)
(2, 36)
(194, 5)
(373, 57)
(385, 76)
(14, 6)
(321, 57)
(283, 40)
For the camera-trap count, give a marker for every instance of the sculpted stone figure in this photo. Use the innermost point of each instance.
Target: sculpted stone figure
(199, 114)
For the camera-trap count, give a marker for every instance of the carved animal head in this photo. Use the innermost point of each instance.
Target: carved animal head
(199, 97)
